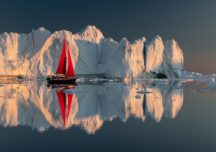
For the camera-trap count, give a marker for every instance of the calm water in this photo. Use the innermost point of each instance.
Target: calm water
(110, 117)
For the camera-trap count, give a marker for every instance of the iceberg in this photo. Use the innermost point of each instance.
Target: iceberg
(36, 54)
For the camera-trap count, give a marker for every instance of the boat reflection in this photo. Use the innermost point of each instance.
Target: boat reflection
(88, 106)
(65, 102)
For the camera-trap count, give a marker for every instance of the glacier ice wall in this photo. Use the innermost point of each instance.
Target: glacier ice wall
(36, 54)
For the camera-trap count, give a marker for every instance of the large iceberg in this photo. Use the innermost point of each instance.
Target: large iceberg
(36, 54)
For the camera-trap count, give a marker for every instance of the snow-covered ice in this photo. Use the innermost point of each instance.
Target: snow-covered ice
(36, 54)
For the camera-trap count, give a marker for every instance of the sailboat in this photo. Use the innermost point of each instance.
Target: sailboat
(65, 72)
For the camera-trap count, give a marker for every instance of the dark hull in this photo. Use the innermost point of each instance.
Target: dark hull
(69, 81)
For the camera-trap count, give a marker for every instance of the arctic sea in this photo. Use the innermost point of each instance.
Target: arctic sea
(151, 116)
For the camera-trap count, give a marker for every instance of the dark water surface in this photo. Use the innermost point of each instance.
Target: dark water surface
(109, 117)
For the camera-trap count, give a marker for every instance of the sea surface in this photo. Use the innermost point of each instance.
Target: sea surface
(143, 116)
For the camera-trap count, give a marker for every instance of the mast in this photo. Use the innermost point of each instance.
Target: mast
(70, 69)
(65, 65)
(62, 61)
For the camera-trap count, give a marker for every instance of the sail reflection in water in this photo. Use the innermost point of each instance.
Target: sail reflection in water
(88, 106)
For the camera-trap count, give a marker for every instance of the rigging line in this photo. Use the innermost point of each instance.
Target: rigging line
(81, 60)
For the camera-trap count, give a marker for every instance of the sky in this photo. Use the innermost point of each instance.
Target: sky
(190, 22)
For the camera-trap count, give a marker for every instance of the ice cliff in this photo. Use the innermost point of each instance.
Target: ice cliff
(36, 54)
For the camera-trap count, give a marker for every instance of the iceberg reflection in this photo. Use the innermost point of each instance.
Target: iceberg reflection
(88, 106)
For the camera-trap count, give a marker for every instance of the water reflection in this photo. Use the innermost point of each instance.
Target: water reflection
(88, 106)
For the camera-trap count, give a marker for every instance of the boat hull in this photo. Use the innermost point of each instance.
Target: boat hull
(69, 81)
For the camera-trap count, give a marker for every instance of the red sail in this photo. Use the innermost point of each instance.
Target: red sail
(70, 69)
(62, 62)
